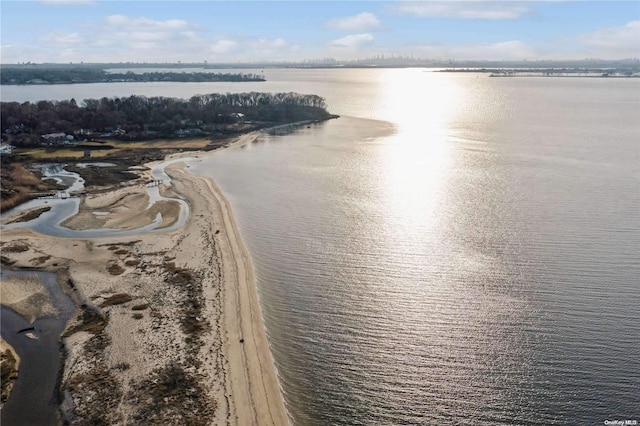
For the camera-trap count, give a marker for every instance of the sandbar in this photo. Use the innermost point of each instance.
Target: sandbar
(180, 303)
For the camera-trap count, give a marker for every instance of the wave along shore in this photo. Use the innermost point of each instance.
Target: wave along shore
(170, 329)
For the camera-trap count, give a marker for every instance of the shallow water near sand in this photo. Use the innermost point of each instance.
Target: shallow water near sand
(66, 204)
(473, 256)
(33, 397)
(454, 248)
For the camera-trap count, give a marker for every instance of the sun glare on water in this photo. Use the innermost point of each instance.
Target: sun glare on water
(417, 158)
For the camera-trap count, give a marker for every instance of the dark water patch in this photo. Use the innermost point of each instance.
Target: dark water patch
(33, 399)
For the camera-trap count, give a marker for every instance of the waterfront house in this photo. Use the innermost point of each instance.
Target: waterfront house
(53, 138)
(6, 149)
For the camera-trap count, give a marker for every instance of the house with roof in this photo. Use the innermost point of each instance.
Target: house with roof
(6, 149)
(53, 138)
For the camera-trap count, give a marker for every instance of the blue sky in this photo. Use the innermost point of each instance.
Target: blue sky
(223, 31)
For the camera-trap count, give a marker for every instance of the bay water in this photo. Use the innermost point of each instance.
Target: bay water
(453, 248)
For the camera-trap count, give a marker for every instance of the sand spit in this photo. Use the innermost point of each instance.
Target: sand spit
(27, 296)
(124, 209)
(157, 339)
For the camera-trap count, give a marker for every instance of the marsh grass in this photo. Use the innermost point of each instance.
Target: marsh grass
(140, 307)
(116, 299)
(191, 323)
(8, 373)
(115, 269)
(172, 395)
(15, 247)
(30, 215)
(18, 185)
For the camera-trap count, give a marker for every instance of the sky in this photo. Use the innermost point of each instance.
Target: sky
(65, 31)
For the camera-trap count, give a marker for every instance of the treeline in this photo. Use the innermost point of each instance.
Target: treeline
(601, 72)
(140, 117)
(94, 75)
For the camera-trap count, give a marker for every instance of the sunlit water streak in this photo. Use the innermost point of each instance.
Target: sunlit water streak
(454, 249)
(473, 258)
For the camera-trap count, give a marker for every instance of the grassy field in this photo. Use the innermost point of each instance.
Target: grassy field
(19, 184)
(111, 148)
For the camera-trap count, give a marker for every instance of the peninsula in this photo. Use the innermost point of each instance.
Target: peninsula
(133, 130)
(169, 328)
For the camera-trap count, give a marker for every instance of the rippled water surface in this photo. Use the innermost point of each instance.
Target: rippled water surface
(455, 248)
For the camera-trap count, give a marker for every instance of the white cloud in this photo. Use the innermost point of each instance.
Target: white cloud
(143, 23)
(142, 38)
(116, 20)
(146, 36)
(463, 9)
(68, 54)
(615, 42)
(248, 48)
(120, 38)
(63, 38)
(265, 43)
(142, 45)
(505, 50)
(222, 46)
(361, 22)
(191, 35)
(608, 43)
(353, 41)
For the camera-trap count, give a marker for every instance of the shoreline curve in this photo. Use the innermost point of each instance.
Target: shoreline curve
(252, 379)
(235, 361)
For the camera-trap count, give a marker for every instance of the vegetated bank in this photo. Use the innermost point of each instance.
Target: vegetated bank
(38, 75)
(129, 131)
(165, 298)
(551, 72)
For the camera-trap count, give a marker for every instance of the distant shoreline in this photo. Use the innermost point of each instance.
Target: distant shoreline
(392, 61)
(46, 76)
(550, 72)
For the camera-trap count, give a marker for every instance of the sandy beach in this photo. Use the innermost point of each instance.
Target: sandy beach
(170, 330)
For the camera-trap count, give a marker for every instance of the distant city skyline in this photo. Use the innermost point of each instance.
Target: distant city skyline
(251, 31)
